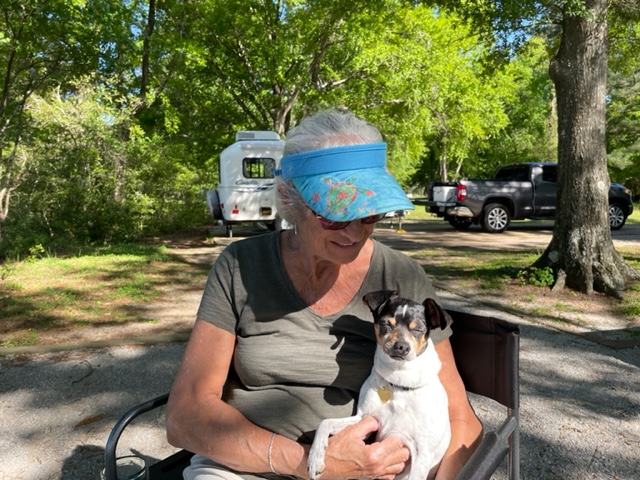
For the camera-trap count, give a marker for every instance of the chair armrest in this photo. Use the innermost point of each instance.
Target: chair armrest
(118, 428)
(492, 449)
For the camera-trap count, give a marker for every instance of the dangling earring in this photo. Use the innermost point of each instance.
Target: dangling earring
(295, 229)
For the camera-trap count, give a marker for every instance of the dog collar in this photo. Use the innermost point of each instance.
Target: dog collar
(400, 387)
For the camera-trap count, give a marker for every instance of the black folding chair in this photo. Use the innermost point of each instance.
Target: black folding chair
(486, 350)
(487, 353)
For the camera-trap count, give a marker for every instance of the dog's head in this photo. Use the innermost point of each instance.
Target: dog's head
(402, 326)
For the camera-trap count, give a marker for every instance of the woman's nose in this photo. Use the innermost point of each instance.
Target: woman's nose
(354, 229)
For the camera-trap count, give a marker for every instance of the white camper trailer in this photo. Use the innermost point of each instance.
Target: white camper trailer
(246, 192)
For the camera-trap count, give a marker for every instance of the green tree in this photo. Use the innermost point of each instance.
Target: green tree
(531, 134)
(623, 128)
(95, 177)
(263, 66)
(581, 250)
(173, 81)
(428, 90)
(46, 45)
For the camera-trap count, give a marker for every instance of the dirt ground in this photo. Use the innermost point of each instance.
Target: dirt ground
(174, 312)
(592, 316)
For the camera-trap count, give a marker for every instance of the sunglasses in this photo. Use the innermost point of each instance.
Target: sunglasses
(327, 224)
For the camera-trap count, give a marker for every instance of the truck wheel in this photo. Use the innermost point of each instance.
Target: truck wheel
(617, 216)
(460, 223)
(495, 218)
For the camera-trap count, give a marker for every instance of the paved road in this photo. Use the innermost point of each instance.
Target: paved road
(579, 407)
(520, 235)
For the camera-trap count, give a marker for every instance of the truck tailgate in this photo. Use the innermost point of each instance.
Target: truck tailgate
(444, 194)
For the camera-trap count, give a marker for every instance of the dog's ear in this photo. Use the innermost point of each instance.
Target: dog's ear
(375, 300)
(436, 316)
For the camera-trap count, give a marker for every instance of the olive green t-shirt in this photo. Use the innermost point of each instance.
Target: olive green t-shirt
(292, 367)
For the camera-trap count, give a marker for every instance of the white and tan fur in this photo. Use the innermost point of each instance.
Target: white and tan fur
(403, 391)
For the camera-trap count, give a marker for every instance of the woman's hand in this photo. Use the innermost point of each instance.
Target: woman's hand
(348, 456)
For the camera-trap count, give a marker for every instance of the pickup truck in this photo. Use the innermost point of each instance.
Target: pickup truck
(517, 192)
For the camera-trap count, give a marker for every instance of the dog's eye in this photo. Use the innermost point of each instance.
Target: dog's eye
(385, 326)
(418, 329)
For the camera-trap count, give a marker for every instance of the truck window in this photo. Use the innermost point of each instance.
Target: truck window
(258, 167)
(549, 173)
(518, 173)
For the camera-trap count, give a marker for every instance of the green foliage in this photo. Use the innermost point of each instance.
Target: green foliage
(624, 37)
(43, 44)
(92, 153)
(35, 252)
(539, 277)
(623, 129)
(531, 134)
(21, 340)
(96, 179)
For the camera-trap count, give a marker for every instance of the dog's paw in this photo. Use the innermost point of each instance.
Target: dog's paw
(315, 464)
(315, 471)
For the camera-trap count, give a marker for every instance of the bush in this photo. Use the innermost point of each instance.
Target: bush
(540, 277)
(98, 179)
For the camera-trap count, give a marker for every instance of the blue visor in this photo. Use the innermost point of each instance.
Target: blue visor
(345, 183)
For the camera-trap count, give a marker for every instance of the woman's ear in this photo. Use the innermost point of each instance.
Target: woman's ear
(282, 190)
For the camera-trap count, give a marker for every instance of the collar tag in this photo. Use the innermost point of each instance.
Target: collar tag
(385, 394)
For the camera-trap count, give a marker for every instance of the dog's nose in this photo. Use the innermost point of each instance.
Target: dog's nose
(400, 349)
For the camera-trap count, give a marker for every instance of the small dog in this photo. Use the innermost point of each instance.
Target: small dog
(403, 391)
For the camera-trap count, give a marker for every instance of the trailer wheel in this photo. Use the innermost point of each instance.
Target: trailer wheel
(617, 216)
(495, 218)
(460, 223)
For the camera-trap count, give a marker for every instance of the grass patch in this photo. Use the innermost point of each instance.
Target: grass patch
(634, 218)
(139, 288)
(630, 305)
(496, 272)
(93, 287)
(21, 339)
(107, 286)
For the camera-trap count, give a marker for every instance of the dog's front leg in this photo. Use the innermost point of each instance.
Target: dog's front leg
(327, 427)
(421, 467)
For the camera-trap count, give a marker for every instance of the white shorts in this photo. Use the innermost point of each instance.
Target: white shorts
(203, 468)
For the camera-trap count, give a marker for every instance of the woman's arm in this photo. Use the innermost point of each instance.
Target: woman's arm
(466, 429)
(199, 421)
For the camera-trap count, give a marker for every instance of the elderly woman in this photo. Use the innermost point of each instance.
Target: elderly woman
(282, 338)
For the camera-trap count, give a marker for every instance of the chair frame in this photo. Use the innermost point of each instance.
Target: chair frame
(487, 352)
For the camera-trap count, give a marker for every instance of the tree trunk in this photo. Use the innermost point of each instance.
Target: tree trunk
(582, 246)
(146, 50)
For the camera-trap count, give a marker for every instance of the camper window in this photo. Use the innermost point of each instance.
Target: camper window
(258, 167)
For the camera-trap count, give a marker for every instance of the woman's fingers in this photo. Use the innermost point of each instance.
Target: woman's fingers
(397, 455)
(349, 456)
(365, 428)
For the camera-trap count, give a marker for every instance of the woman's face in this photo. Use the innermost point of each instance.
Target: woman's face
(336, 246)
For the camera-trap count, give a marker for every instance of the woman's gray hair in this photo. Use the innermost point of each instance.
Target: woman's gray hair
(331, 128)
